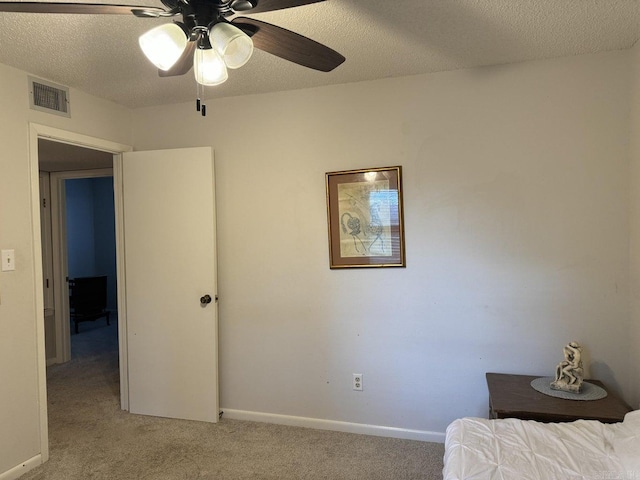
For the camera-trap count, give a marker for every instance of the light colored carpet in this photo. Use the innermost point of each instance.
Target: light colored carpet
(91, 438)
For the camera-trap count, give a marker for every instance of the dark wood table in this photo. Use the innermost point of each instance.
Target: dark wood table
(513, 396)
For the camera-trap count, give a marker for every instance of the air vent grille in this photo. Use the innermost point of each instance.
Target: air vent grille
(49, 97)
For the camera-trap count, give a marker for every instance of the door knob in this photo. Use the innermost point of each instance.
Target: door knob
(206, 299)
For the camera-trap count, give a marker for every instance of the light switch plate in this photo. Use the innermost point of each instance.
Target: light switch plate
(8, 260)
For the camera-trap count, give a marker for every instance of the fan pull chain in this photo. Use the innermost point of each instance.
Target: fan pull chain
(204, 107)
(200, 106)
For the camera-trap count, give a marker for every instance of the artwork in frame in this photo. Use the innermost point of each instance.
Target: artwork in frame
(364, 212)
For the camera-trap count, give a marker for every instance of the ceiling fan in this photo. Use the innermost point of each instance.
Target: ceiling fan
(206, 38)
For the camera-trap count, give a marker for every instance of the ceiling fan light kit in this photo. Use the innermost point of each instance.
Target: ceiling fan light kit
(207, 39)
(222, 47)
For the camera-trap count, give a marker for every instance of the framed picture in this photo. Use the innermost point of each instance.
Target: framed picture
(364, 212)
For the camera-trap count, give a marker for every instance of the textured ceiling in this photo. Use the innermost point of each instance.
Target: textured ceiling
(99, 54)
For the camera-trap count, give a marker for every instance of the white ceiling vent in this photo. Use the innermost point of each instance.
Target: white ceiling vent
(49, 97)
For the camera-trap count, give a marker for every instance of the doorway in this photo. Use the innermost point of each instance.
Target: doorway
(191, 205)
(78, 237)
(91, 262)
(114, 150)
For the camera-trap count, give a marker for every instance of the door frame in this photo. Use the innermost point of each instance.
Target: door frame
(47, 261)
(50, 133)
(59, 254)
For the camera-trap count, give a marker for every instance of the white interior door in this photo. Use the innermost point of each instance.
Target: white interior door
(170, 264)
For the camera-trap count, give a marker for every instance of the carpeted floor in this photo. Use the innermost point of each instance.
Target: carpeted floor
(91, 438)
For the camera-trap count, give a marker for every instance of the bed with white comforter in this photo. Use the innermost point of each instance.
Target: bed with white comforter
(479, 449)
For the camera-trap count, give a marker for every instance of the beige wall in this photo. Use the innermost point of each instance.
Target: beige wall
(517, 233)
(19, 405)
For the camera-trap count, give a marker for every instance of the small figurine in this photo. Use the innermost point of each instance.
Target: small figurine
(569, 372)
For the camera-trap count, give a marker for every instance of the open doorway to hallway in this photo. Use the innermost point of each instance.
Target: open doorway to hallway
(78, 237)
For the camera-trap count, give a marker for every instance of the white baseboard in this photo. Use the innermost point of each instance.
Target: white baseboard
(364, 429)
(21, 469)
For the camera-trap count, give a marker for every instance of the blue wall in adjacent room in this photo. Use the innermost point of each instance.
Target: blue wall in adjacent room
(91, 247)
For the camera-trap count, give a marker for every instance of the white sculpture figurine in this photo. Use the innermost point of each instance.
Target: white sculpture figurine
(569, 372)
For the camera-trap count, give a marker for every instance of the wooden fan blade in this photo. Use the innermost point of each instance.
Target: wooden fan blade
(183, 64)
(289, 45)
(270, 5)
(81, 8)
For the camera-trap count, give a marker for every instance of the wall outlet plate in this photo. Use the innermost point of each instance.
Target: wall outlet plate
(8, 260)
(357, 381)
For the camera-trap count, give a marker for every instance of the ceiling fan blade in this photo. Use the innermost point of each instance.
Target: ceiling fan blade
(270, 5)
(82, 8)
(289, 45)
(183, 64)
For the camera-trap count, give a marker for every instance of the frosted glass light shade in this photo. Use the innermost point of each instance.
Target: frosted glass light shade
(208, 67)
(234, 46)
(163, 45)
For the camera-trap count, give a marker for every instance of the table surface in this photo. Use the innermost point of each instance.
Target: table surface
(513, 396)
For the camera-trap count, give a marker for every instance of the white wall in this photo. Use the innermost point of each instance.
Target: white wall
(517, 234)
(19, 405)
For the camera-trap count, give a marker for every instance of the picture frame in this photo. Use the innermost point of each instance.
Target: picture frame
(365, 218)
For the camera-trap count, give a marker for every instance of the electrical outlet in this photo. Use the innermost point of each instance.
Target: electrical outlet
(357, 381)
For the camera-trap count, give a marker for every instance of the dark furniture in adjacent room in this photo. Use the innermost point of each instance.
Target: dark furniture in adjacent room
(88, 299)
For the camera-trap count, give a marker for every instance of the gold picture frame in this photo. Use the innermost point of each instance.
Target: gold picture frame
(365, 218)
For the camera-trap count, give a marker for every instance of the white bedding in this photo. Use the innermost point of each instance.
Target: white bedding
(476, 448)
